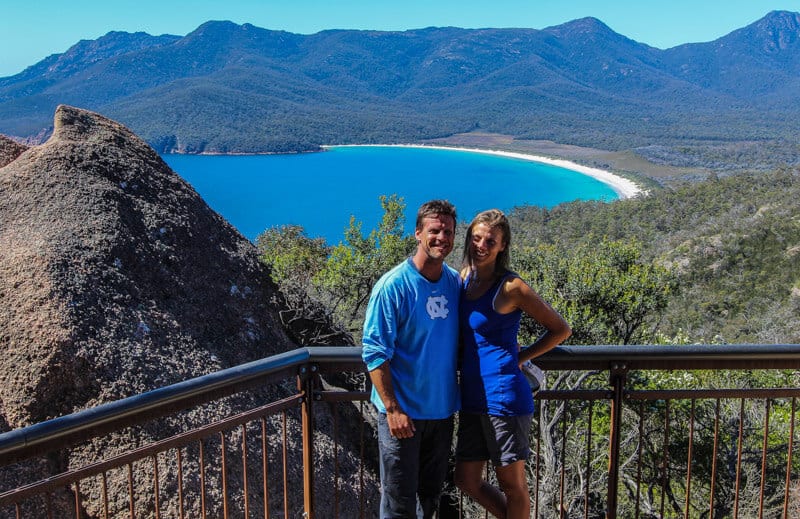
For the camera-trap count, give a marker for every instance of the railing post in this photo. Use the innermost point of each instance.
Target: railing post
(306, 383)
(617, 377)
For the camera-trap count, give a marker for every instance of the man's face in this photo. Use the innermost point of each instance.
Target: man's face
(436, 236)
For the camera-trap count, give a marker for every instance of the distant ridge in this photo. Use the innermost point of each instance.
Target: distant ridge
(760, 61)
(87, 52)
(227, 88)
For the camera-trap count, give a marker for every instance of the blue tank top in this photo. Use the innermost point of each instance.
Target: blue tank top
(491, 381)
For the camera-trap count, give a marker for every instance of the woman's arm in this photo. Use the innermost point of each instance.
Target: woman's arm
(516, 294)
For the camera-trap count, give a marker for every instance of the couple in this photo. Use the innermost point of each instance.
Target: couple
(411, 349)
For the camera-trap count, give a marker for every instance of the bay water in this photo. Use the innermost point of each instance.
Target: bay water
(321, 191)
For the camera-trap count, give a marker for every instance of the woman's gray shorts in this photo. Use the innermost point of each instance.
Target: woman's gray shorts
(501, 439)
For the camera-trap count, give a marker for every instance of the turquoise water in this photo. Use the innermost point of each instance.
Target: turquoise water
(320, 191)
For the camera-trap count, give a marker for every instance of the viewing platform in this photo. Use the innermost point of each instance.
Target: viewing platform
(620, 431)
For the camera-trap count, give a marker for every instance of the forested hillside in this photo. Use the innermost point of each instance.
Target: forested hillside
(732, 244)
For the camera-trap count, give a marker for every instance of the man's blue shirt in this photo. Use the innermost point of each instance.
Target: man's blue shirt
(412, 323)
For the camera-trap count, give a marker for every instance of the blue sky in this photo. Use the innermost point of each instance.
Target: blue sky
(32, 30)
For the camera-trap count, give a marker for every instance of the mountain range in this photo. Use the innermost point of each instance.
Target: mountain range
(229, 88)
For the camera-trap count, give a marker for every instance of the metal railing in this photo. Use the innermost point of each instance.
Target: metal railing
(618, 433)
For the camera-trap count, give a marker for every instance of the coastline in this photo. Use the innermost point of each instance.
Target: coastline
(624, 187)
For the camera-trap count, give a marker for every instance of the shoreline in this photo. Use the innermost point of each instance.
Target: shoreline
(624, 187)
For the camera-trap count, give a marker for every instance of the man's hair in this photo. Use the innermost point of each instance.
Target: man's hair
(494, 219)
(435, 207)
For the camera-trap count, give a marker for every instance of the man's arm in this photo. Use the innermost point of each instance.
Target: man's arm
(400, 424)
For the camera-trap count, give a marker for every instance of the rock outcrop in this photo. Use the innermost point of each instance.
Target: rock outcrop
(9, 150)
(116, 278)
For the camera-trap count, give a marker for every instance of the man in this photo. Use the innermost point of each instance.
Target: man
(410, 348)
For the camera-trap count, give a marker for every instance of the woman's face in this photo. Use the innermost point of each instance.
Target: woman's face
(487, 242)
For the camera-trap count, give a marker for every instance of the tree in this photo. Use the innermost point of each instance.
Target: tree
(326, 288)
(294, 259)
(354, 265)
(290, 253)
(605, 291)
(609, 294)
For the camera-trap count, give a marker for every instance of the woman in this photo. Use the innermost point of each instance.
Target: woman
(497, 402)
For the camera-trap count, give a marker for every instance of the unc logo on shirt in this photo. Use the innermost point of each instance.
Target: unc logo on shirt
(437, 307)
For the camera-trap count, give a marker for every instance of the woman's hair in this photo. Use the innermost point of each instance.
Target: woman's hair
(495, 219)
(434, 208)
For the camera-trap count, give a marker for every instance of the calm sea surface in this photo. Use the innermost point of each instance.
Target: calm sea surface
(320, 191)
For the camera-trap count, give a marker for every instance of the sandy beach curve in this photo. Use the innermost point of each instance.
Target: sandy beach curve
(624, 187)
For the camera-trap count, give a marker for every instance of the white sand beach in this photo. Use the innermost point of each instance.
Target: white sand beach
(624, 187)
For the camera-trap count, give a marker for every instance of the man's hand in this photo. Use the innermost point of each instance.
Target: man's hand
(400, 424)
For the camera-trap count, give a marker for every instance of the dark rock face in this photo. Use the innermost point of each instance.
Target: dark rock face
(116, 278)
